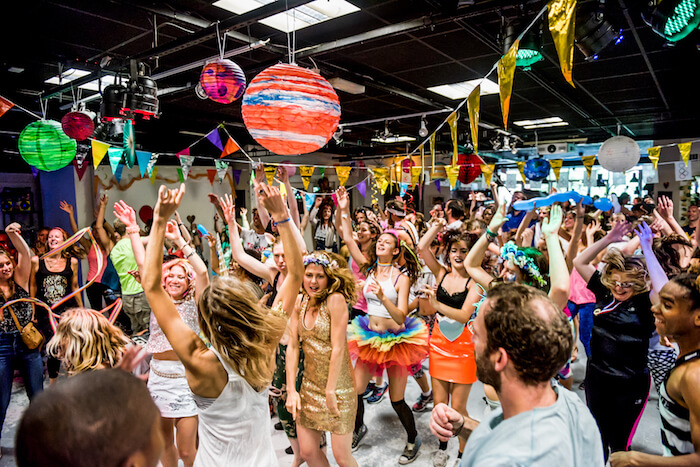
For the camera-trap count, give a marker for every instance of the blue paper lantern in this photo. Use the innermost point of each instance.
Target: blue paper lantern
(536, 169)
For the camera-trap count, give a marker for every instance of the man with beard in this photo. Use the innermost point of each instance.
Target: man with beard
(521, 340)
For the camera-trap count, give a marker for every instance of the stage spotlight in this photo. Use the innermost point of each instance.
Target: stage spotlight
(593, 30)
(529, 50)
(674, 19)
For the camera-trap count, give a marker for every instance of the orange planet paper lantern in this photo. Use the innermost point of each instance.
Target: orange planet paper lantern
(223, 81)
(290, 110)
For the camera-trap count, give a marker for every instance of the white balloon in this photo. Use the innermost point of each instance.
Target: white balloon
(619, 154)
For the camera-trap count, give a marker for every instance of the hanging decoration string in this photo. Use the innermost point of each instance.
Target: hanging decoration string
(221, 41)
(44, 104)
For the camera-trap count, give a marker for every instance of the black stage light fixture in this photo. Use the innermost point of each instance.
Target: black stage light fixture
(593, 30)
(142, 92)
(673, 19)
(530, 48)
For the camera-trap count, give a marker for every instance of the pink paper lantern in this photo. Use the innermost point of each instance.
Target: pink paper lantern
(77, 125)
(223, 81)
(290, 110)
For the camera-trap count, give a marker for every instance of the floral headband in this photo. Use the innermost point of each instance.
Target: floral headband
(321, 260)
(510, 252)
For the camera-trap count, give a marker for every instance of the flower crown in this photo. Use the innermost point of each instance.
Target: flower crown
(321, 260)
(510, 252)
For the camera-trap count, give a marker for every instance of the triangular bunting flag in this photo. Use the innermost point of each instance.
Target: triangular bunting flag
(402, 189)
(473, 106)
(215, 139)
(35, 171)
(211, 175)
(118, 173)
(237, 175)
(115, 158)
(283, 191)
(381, 178)
(556, 166)
(437, 185)
(151, 163)
(487, 170)
(152, 175)
(184, 152)
(270, 171)
(230, 148)
(222, 167)
(129, 143)
(5, 105)
(588, 162)
(684, 148)
(343, 173)
(309, 199)
(306, 172)
(415, 175)
(80, 169)
(186, 164)
(180, 175)
(506, 72)
(99, 149)
(654, 154)
(521, 169)
(561, 15)
(452, 122)
(362, 189)
(143, 158)
(452, 175)
(322, 171)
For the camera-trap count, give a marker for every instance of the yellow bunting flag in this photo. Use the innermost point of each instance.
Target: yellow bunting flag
(153, 175)
(452, 121)
(487, 170)
(439, 173)
(415, 175)
(473, 104)
(654, 154)
(99, 149)
(283, 190)
(452, 175)
(506, 72)
(562, 14)
(343, 173)
(432, 155)
(270, 171)
(381, 178)
(684, 148)
(556, 166)
(521, 169)
(588, 162)
(306, 172)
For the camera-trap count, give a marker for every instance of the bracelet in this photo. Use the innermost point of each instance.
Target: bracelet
(456, 435)
(490, 234)
(133, 229)
(180, 224)
(284, 221)
(191, 253)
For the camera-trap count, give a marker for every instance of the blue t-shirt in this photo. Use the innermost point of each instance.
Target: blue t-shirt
(514, 222)
(563, 434)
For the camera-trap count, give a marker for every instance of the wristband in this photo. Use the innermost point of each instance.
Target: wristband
(460, 428)
(191, 253)
(133, 229)
(490, 234)
(284, 221)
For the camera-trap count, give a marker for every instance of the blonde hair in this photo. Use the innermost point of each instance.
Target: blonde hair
(86, 340)
(634, 267)
(243, 332)
(340, 278)
(189, 274)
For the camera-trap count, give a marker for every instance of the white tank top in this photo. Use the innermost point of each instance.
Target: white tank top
(235, 429)
(374, 305)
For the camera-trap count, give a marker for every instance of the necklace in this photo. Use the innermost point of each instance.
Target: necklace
(383, 265)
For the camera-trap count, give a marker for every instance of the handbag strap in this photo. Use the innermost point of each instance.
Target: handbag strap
(14, 318)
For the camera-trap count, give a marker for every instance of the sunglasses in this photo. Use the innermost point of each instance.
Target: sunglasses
(623, 285)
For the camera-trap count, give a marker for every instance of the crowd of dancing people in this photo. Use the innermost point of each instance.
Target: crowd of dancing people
(209, 346)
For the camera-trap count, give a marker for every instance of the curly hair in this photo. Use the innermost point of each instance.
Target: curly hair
(241, 330)
(538, 347)
(667, 255)
(189, 274)
(340, 278)
(450, 237)
(691, 283)
(633, 266)
(85, 340)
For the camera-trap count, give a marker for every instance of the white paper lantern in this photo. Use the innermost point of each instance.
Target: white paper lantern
(619, 154)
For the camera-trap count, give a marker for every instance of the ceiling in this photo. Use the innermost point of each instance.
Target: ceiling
(641, 87)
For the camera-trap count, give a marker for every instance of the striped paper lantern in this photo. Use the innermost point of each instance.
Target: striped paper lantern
(223, 81)
(290, 110)
(44, 145)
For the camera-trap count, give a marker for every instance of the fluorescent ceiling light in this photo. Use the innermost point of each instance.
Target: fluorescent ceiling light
(393, 139)
(15, 69)
(545, 125)
(307, 15)
(93, 86)
(241, 6)
(461, 90)
(541, 123)
(67, 76)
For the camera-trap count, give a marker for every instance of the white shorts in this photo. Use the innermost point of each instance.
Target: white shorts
(169, 389)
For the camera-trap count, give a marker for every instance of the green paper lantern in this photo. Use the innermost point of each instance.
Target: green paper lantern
(44, 145)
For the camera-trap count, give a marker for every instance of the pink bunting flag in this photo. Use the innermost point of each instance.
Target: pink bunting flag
(184, 152)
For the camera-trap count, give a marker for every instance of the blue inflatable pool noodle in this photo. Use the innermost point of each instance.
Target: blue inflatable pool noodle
(202, 230)
(530, 204)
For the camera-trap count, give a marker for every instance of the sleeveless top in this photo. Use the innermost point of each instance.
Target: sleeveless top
(455, 300)
(23, 311)
(675, 419)
(374, 305)
(92, 265)
(53, 286)
(361, 303)
(273, 289)
(157, 342)
(234, 430)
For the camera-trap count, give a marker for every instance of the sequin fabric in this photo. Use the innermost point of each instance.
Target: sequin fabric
(157, 342)
(316, 344)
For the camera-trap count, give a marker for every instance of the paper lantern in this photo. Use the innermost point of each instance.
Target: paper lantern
(290, 110)
(222, 81)
(536, 169)
(44, 145)
(619, 154)
(469, 167)
(77, 125)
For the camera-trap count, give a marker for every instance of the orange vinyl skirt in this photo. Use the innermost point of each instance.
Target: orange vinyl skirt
(452, 361)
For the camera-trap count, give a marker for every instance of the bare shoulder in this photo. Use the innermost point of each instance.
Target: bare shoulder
(336, 300)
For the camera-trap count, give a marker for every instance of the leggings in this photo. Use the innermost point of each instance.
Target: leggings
(617, 404)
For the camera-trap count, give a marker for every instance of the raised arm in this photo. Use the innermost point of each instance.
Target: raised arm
(462, 315)
(213, 254)
(260, 179)
(572, 250)
(201, 277)
(524, 224)
(665, 209)
(283, 175)
(344, 206)
(656, 272)
(24, 255)
(184, 232)
(558, 271)
(105, 239)
(582, 262)
(127, 215)
(68, 209)
(424, 247)
(476, 254)
(244, 218)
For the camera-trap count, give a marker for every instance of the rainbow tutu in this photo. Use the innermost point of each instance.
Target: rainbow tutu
(378, 351)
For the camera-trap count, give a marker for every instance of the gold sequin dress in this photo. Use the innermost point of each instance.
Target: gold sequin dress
(316, 344)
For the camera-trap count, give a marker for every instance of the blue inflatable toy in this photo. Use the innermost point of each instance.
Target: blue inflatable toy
(537, 169)
(530, 204)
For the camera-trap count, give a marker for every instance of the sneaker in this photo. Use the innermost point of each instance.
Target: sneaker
(357, 437)
(458, 462)
(378, 394)
(410, 454)
(440, 458)
(289, 450)
(278, 426)
(370, 389)
(423, 401)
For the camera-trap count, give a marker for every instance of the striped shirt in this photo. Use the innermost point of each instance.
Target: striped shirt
(675, 419)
